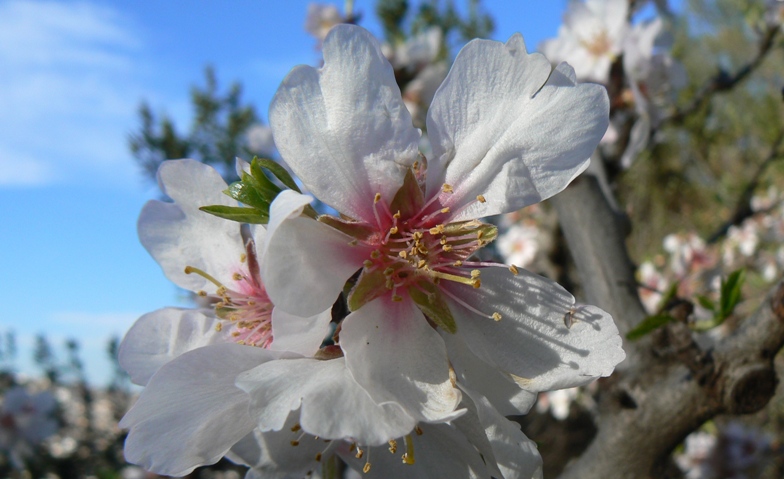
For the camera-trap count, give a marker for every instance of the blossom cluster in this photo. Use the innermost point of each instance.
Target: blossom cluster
(377, 335)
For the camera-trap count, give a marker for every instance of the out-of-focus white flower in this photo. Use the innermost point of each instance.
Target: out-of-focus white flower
(591, 37)
(496, 148)
(744, 239)
(654, 283)
(737, 452)
(557, 402)
(687, 251)
(259, 140)
(321, 18)
(25, 421)
(697, 450)
(519, 244)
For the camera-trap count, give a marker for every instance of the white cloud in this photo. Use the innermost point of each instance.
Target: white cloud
(69, 90)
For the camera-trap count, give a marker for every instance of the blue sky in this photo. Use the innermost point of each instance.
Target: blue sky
(72, 75)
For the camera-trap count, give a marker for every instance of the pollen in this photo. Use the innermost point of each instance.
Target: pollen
(514, 269)
(496, 316)
(397, 215)
(447, 188)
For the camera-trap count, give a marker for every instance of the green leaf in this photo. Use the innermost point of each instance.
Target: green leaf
(730, 293)
(648, 325)
(247, 195)
(259, 181)
(706, 303)
(277, 170)
(237, 213)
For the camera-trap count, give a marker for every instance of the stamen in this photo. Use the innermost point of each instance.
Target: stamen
(408, 457)
(392, 446)
(480, 198)
(366, 468)
(359, 453)
(191, 269)
(473, 281)
(497, 316)
(466, 305)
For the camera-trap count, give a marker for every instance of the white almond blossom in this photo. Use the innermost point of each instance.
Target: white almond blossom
(409, 224)
(591, 37)
(321, 18)
(25, 421)
(519, 244)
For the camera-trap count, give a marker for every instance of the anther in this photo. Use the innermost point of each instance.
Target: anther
(396, 298)
(377, 198)
(219, 327)
(359, 453)
(236, 276)
(295, 443)
(366, 469)
(458, 263)
(447, 188)
(367, 263)
(318, 457)
(389, 271)
(392, 230)
(443, 240)
(397, 215)
(392, 446)
(375, 254)
(445, 210)
(202, 293)
(418, 430)
(514, 269)
(477, 284)
(496, 316)
(403, 254)
(480, 198)
(243, 257)
(475, 273)
(447, 248)
(296, 427)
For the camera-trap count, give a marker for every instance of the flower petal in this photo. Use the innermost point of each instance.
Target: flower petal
(333, 405)
(179, 235)
(499, 387)
(298, 334)
(158, 337)
(441, 451)
(394, 354)
(344, 129)
(517, 136)
(306, 263)
(533, 339)
(191, 413)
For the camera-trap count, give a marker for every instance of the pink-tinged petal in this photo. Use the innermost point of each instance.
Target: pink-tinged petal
(297, 334)
(503, 445)
(440, 452)
(502, 391)
(191, 413)
(158, 337)
(542, 337)
(306, 263)
(333, 405)
(343, 129)
(394, 353)
(179, 235)
(517, 136)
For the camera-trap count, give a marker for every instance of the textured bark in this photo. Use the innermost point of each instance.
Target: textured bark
(667, 386)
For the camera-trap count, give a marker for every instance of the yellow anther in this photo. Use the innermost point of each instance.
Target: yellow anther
(421, 249)
(458, 263)
(251, 303)
(389, 271)
(296, 427)
(417, 235)
(359, 453)
(243, 257)
(403, 254)
(496, 316)
(418, 430)
(476, 284)
(396, 298)
(514, 269)
(236, 276)
(318, 457)
(367, 263)
(415, 166)
(392, 230)
(421, 263)
(397, 215)
(475, 273)
(445, 210)
(377, 198)
(480, 198)
(202, 293)
(392, 446)
(219, 327)
(447, 248)
(443, 240)
(366, 469)
(375, 254)
(447, 188)
(295, 443)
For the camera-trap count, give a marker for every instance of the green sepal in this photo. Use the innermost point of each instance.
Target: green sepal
(247, 193)
(360, 231)
(409, 199)
(370, 285)
(431, 302)
(648, 325)
(259, 164)
(237, 213)
(730, 294)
